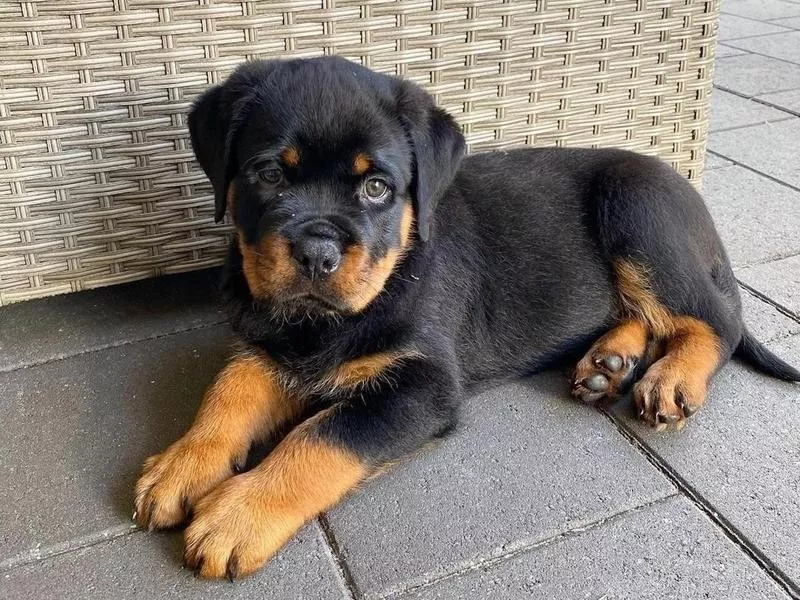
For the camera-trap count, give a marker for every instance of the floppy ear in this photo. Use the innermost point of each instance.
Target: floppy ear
(209, 123)
(438, 148)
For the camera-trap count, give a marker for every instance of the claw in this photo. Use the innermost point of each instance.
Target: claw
(146, 514)
(198, 567)
(661, 417)
(232, 570)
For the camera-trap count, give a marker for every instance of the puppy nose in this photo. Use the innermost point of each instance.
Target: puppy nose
(317, 256)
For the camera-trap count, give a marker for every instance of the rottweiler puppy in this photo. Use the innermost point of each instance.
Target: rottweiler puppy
(375, 276)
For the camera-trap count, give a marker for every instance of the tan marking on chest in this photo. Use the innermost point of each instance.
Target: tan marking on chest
(364, 369)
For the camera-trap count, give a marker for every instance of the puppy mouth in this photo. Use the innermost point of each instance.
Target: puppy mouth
(316, 303)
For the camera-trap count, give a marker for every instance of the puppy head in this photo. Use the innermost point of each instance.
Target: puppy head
(325, 166)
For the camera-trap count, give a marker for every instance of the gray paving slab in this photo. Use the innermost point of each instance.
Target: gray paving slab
(761, 10)
(745, 207)
(75, 432)
(723, 51)
(790, 22)
(669, 550)
(40, 330)
(779, 279)
(752, 74)
(729, 111)
(144, 566)
(785, 46)
(716, 162)
(732, 27)
(741, 452)
(763, 321)
(526, 464)
(771, 149)
(788, 100)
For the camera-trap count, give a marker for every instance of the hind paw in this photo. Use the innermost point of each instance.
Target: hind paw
(603, 374)
(666, 396)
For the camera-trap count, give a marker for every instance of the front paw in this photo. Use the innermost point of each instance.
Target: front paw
(173, 481)
(237, 528)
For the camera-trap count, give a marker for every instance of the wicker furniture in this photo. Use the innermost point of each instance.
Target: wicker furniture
(97, 179)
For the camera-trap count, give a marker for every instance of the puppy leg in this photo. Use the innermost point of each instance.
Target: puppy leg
(675, 386)
(243, 404)
(609, 367)
(244, 521)
(672, 272)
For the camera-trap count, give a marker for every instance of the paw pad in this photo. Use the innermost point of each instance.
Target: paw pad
(597, 382)
(612, 363)
(600, 375)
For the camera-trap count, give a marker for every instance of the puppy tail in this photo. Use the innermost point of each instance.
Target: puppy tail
(755, 354)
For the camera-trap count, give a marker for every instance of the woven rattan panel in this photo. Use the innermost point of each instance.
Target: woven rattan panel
(97, 179)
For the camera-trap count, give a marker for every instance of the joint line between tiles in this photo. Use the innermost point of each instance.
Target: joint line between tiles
(728, 529)
(749, 125)
(787, 312)
(508, 552)
(342, 569)
(767, 260)
(109, 346)
(756, 171)
(757, 100)
(37, 555)
(730, 44)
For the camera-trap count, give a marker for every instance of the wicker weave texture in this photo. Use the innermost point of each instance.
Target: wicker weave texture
(97, 179)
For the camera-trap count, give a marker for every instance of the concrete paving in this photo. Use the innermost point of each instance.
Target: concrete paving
(666, 550)
(534, 496)
(526, 465)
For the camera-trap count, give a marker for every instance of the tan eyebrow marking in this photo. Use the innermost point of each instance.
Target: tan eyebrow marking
(361, 163)
(290, 156)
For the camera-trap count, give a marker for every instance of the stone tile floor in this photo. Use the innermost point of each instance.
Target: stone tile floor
(534, 497)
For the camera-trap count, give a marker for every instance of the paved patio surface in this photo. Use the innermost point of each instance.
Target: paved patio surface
(536, 496)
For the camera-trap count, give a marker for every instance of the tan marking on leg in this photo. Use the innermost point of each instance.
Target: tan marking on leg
(675, 386)
(290, 156)
(639, 301)
(268, 266)
(361, 163)
(244, 403)
(245, 521)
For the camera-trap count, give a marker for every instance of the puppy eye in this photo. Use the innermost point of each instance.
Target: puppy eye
(375, 189)
(270, 175)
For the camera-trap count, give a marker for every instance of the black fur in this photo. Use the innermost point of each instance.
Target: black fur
(510, 269)
(757, 355)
